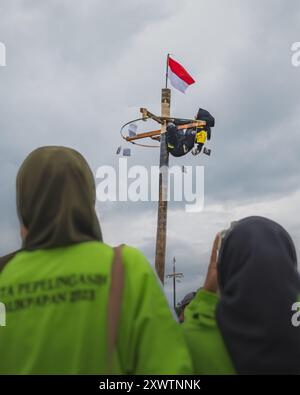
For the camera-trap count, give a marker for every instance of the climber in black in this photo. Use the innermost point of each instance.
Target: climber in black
(182, 141)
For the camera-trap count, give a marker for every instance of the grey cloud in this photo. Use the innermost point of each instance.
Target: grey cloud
(77, 70)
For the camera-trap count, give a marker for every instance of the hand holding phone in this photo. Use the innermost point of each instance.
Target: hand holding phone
(211, 281)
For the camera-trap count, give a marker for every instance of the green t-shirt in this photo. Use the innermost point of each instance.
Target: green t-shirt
(203, 336)
(56, 315)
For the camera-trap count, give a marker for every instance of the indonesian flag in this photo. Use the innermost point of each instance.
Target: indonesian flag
(178, 76)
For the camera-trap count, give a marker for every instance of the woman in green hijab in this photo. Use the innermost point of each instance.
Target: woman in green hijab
(74, 306)
(56, 199)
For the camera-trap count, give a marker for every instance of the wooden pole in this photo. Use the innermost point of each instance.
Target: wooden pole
(161, 234)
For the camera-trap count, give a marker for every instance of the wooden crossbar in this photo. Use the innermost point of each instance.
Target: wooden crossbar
(157, 132)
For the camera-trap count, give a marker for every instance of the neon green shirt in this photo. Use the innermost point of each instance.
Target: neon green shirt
(56, 304)
(203, 336)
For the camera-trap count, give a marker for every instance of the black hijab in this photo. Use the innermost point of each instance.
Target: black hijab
(204, 115)
(259, 282)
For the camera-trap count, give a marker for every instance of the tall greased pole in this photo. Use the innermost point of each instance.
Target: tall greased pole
(161, 234)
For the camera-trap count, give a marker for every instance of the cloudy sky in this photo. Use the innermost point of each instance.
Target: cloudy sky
(77, 70)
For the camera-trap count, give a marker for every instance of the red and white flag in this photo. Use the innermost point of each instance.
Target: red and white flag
(178, 76)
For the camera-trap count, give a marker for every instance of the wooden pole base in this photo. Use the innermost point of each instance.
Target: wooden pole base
(161, 235)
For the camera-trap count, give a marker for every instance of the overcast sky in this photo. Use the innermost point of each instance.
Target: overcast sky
(77, 70)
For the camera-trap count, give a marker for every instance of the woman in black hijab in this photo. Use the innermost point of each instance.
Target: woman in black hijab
(255, 273)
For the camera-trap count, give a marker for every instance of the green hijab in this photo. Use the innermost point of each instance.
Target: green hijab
(56, 199)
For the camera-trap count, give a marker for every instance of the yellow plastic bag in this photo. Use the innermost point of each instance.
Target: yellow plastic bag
(201, 137)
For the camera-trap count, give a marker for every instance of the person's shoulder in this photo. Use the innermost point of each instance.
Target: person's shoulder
(129, 253)
(90, 247)
(134, 257)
